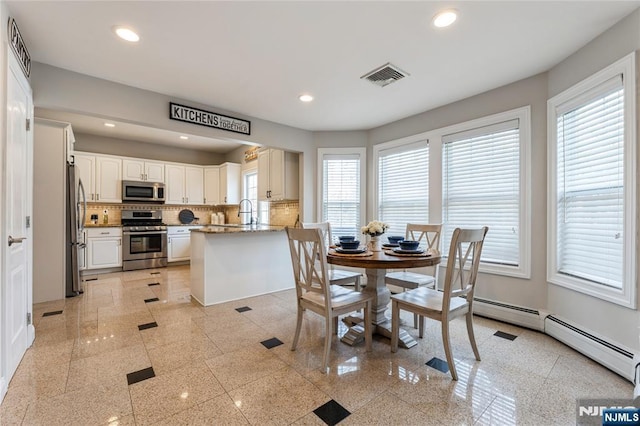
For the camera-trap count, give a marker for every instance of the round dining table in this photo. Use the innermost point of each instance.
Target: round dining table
(376, 265)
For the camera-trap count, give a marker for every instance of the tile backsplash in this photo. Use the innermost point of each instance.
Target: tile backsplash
(280, 213)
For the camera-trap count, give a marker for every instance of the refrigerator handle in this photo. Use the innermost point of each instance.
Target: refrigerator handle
(84, 204)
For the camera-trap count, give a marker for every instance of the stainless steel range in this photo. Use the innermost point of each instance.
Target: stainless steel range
(145, 240)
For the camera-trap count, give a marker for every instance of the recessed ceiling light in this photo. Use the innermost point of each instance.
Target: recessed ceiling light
(109, 125)
(126, 34)
(305, 98)
(184, 138)
(445, 18)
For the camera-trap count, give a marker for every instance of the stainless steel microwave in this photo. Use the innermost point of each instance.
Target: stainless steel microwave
(149, 192)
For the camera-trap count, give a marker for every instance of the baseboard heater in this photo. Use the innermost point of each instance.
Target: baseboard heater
(524, 317)
(614, 357)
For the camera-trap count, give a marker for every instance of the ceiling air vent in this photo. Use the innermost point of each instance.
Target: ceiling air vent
(385, 75)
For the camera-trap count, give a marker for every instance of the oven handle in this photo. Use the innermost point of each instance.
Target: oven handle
(143, 232)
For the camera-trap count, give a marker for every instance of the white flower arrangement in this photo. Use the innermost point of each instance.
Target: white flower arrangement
(374, 228)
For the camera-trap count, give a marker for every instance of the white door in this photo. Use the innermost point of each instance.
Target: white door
(132, 170)
(212, 185)
(17, 332)
(194, 185)
(154, 172)
(109, 179)
(175, 184)
(86, 169)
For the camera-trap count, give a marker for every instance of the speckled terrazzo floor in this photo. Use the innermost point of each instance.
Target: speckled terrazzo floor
(115, 356)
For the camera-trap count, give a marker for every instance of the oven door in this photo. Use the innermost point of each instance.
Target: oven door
(144, 245)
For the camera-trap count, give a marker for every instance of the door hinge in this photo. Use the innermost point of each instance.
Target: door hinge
(28, 124)
(28, 318)
(28, 222)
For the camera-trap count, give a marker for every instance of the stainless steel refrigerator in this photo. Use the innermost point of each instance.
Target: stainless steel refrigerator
(76, 215)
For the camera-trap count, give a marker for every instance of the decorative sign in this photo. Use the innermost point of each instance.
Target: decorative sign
(209, 119)
(251, 154)
(19, 48)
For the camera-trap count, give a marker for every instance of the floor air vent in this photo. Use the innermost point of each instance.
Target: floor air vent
(385, 75)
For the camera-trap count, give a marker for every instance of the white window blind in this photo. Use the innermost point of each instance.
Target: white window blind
(403, 186)
(590, 186)
(341, 193)
(481, 181)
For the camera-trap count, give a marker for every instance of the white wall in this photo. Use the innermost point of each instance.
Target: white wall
(613, 321)
(532, 91)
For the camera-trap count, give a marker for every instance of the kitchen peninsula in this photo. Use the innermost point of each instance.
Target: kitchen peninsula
(230, 262)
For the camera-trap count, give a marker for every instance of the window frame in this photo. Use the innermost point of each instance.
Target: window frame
(523, 115)
(627, 295)
(361, 153)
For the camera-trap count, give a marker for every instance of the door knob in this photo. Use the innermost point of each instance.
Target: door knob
(16, 240)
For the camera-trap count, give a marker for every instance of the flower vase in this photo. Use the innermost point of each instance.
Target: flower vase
(375, 244)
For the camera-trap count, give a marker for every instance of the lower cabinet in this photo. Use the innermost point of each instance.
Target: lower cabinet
(179, 243)
(104, 248)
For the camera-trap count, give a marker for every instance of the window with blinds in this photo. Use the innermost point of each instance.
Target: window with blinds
(403, 186)
(592, 199)
(341, 196)
(481, 187)
(590, 187)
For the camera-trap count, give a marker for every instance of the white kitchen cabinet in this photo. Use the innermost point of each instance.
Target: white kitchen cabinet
(277, 175)
(185, 184)
(140, 170)
(179, 243)
(212, 185)
(230, 178)
(101, 177)
(194, 184)
(104, 248)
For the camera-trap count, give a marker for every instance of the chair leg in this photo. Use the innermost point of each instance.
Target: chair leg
(447, 349)
(395, 325)
(335, 325)
(368, 326)
(472, 337)
(357, 285)
(298, 327)
(327, 344)
(421, 326)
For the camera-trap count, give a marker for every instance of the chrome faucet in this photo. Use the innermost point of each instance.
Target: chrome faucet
(244, 211)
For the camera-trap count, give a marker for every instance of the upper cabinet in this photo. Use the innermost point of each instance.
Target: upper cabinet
(277, 175)
(101, 177)
(212, 185)
(230, 175)
(185, 184)
(140, 170)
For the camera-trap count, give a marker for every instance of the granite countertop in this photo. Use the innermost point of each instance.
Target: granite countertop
(238, 229)
(102, 225)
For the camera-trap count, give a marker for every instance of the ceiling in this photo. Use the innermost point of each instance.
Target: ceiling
(256, 58)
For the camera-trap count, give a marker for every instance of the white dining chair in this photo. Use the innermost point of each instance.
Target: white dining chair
(429, 235)
(336, 276)
(316, 294)
(456, 299)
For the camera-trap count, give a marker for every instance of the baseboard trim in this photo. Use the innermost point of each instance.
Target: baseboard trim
(3, 388)
(611, 355)
(614, 356)
(518, 315)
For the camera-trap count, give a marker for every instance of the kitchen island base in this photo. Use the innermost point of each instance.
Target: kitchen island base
(227, 266)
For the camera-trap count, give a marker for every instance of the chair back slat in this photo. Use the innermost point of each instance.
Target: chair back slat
(462, 265)
(424, 232)
(309, 269)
